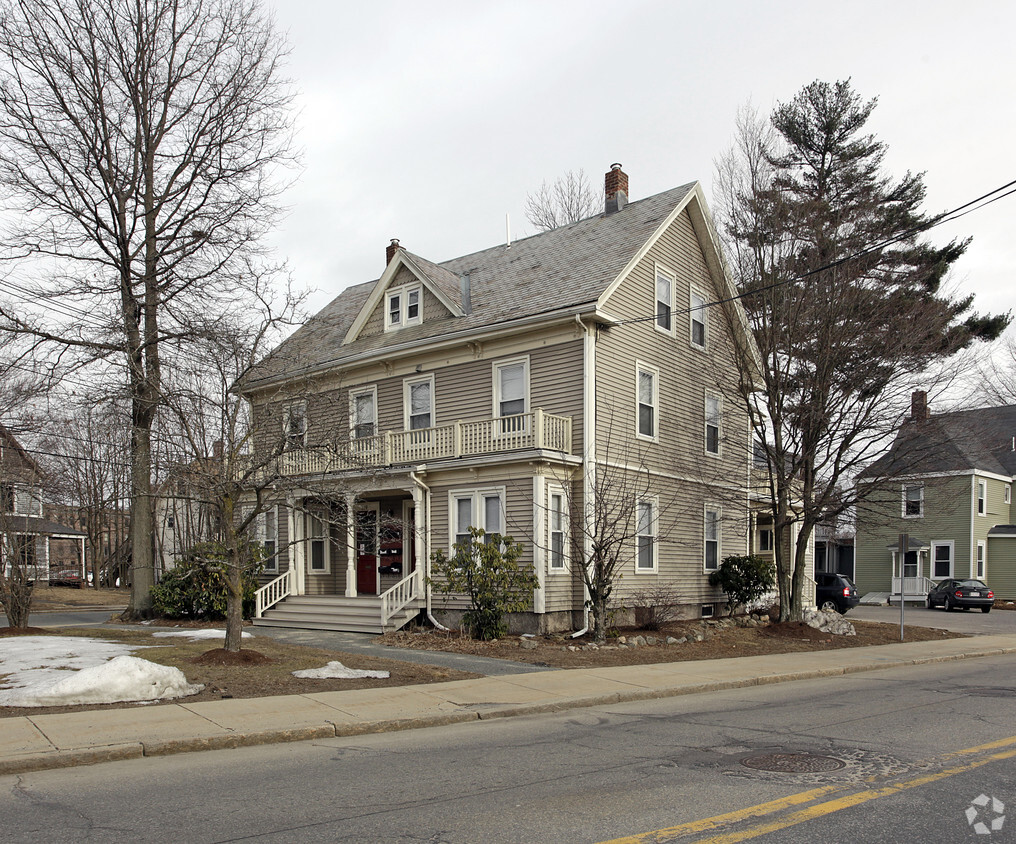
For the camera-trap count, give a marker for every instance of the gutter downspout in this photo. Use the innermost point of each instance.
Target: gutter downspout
(588, 449)
(426, 489)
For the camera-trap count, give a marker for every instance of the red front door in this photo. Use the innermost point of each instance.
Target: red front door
(366, 552)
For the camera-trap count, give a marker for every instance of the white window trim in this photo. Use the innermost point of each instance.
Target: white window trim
(495, 370)
(287, 416)
(981, 560)
(354, 394)
(650, 370)
(326, 538)
(1007, 495)
(981, 497)
(951, 544)
(272, 563)
(671, 277)
(478, 496)
(403, 291)
(701, 314)
(903, 505)
(706, 510)
(719, 425)
(406, 407)
(552, 490)
(654, 527)
(762, 531)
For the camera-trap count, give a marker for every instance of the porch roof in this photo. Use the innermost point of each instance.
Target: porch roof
(915, 545)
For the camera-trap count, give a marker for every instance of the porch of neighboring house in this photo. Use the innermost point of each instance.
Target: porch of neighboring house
(912, 574)
(28, 540)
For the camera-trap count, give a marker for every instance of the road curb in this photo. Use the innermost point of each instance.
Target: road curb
(463, 714)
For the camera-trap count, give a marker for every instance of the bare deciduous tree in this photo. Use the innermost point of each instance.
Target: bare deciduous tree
(142, 147)
(844, 298)
(569, 199)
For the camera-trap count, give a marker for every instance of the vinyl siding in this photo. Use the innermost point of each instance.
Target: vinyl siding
(947, 514)
(1001, 566)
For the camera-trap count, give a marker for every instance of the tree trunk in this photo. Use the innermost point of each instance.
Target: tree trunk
(141, 526)
(234, 600)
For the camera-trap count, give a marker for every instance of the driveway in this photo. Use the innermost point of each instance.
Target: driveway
(973, 622)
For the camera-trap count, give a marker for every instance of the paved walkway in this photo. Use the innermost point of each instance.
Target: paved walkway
(38, 742)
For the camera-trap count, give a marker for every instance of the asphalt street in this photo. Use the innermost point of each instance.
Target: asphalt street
(906, 748)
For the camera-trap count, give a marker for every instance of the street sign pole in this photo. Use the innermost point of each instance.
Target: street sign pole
(903, 549)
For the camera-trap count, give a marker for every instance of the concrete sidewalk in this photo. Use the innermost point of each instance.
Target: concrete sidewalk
(33, 743)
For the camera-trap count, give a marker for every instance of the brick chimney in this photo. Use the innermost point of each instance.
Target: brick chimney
(391, 249)
(919, 406)
(616, 189)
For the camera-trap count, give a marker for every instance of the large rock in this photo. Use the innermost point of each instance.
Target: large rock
(829, 622)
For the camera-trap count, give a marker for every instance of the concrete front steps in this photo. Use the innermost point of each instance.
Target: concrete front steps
(334, 612)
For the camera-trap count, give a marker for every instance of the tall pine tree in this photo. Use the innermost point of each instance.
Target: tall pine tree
(845, 299)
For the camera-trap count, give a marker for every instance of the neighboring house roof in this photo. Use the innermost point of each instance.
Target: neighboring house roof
(979, 439)
(33, 524)
(555, 273)
(8, 440)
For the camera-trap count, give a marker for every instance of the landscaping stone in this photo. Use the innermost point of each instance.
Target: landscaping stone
(829, 622)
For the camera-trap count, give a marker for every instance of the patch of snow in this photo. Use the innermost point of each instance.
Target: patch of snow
(197, 634)
(72, 670)
(337, 671)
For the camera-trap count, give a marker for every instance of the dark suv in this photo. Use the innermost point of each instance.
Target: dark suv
(835, 592)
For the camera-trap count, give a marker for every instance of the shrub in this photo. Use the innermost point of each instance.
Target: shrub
(486, 568)
(655, 606)
(745, 579)
(196, 586)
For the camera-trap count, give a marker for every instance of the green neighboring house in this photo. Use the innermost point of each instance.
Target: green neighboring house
(947, 483)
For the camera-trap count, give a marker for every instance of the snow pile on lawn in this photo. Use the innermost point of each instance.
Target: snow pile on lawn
(337, 671)
(195, 635)
(74, 670)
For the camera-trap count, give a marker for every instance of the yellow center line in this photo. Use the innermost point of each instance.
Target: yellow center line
(762, 809)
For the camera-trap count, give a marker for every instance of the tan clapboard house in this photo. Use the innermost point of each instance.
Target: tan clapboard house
(506, 390)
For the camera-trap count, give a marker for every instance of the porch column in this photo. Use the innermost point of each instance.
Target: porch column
(419, 551)
(297, 550)
(350, 545)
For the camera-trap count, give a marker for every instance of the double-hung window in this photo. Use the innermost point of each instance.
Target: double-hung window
(363, 413)
(645, 536)
(711, 536)
(294, 424)
(557, 527)
(403, 307)
(941, 560)
(913, 501)
(714, 411)
(511, 394)
(647, 387)
(698, 319)
(6, 497)
(269, 530)
(418, 400)
(765, 539)
(664, 301)
(477, 508)
(317, 533)
(981, 552)
(982, 498)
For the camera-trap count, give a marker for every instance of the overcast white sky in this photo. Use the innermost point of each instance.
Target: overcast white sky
(429, 121)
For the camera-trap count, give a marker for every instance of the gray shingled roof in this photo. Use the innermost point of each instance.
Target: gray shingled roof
(950, 442)
(553, 272)
(33, 524)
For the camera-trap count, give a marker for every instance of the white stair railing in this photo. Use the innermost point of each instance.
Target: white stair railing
(274, 591)
(399, 596)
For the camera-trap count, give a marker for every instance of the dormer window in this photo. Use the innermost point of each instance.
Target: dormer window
(403, 307)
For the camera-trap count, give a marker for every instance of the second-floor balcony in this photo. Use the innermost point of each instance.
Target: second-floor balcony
(535, 430)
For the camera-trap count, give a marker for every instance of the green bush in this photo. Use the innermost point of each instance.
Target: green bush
(195, 587)
(745, 579)
(486, 568)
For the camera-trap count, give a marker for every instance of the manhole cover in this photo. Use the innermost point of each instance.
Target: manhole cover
(793, 763)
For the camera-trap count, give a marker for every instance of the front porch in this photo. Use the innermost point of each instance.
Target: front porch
(356, 562)
(909, 581)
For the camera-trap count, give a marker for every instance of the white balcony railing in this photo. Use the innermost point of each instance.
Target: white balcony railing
(460, 439)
